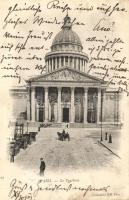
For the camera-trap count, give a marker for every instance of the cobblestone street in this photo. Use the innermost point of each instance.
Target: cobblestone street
(83, 151)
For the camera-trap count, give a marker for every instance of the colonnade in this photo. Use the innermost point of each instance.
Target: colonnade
(77, 63)
(31, 108)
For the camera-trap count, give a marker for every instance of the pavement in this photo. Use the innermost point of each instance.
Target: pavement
(114, 144)
(83, 151)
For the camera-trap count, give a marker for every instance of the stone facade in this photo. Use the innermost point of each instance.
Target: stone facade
(66, 93)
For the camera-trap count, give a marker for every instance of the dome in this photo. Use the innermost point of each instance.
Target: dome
(66, 50)
(67, 36)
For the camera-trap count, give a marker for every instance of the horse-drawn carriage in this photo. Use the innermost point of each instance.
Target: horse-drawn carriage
(63, 136)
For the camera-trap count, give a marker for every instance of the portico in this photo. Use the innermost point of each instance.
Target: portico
(59, 97)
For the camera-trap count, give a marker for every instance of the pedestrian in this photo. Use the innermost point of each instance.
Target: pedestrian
(63, 132)
(12, 151)
(12, 156)
(42, 167)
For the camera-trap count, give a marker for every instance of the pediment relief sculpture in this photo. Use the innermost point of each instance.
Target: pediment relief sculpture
(66, 75)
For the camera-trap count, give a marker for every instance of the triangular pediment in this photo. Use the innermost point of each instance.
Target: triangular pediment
(66, 74)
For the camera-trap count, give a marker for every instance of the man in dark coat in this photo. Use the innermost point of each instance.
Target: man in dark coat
(42, 167)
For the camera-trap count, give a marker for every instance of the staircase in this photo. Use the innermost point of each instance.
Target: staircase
(82, 125)
(70, 125)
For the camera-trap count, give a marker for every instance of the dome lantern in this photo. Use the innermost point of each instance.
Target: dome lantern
(67, 23)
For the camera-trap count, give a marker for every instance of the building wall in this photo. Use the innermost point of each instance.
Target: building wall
(111, 107)
(19, 107)
(19, 103)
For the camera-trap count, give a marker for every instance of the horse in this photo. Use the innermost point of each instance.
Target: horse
(63, 136)
(60, 136)
(66, 136)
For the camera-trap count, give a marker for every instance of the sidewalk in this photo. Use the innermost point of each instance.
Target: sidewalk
(114, 147)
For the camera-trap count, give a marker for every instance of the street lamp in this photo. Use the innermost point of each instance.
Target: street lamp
(101, 138)
(27, 123)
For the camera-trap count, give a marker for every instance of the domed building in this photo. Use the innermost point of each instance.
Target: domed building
(66, 93)
(66, 50)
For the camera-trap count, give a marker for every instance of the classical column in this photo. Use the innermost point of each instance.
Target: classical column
(85, 104)
(84, 66)
(37, 113)
(59, 104)
(33, 104)
(60, 62)
(48, 65)
(73, 62)
(55, 62)
(81, 65)
(99, 105)
(52, 64)
(77, 65)
(28, 103)
(68, 61)
(64, 61)
(46, 103)
(72, 106)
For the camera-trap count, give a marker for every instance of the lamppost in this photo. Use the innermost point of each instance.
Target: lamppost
(27, 123)
(101, 138)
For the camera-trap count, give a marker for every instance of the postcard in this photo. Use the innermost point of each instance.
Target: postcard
(64, 87)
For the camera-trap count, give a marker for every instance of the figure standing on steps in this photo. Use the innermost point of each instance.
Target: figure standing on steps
(42, 167)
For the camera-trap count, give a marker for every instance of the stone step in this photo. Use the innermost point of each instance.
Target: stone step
(63, 125)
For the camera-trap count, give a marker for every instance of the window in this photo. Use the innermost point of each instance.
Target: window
(66, 46)
(71, 61)
(53, 63)
(66, 60)
(62, 61)
(57, 62)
